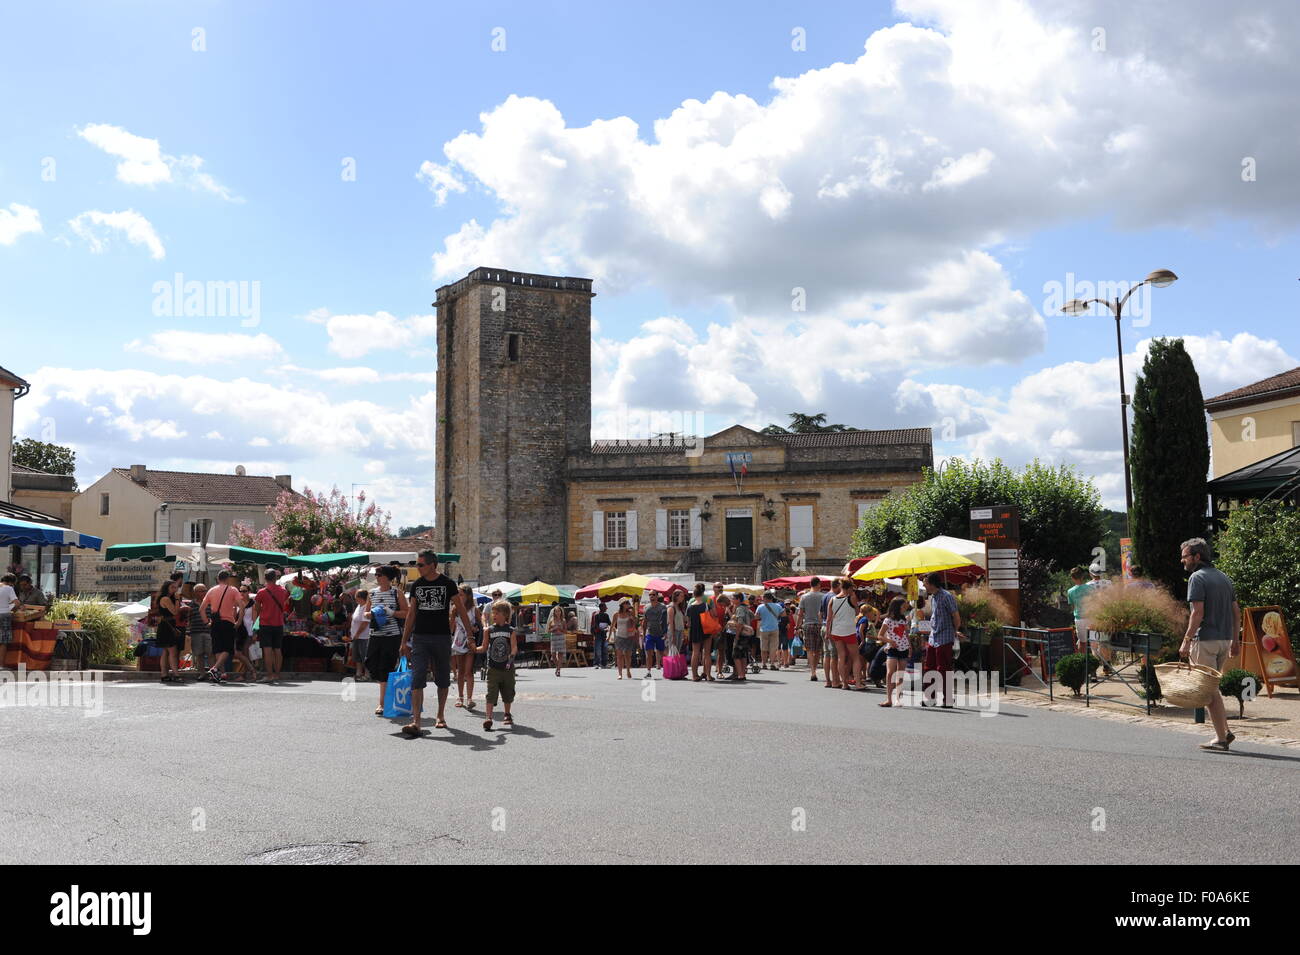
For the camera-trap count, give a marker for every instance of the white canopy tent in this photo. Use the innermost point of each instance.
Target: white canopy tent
(972, 550)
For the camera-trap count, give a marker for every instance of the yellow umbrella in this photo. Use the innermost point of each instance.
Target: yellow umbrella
(539, 593)
(913, 559)
(629, 585)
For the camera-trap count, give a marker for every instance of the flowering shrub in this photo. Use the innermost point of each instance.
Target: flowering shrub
(1122, 607)
(981, 607)
(311, 523)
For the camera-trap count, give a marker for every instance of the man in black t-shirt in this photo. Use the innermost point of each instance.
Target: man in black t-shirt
(434, 597)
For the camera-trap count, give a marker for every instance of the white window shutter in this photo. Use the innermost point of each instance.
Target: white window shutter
(631, 530)
(697, 532)
(661, 529)
(187, 534)
(801, 525)
(597, 530)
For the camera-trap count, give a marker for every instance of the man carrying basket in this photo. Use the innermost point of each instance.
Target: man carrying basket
(1213, 628)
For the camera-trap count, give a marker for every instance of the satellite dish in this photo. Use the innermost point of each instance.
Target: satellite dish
(239, 469)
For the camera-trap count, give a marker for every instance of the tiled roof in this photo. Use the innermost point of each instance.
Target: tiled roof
(185, 487)
(1278, 386)
(855, 439)
(826, 439)
(8, 378)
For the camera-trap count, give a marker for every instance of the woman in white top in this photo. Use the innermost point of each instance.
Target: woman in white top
(842, 627)
(360, 633)
(463, 645)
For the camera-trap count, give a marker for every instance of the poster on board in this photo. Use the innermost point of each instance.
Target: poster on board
(1266, 647)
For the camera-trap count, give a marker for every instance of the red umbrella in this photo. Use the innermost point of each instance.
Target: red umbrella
(797, 583)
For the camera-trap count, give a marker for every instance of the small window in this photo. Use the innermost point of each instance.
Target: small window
(1295, 434)
(512, 346)
(103, 505)
(196, 532)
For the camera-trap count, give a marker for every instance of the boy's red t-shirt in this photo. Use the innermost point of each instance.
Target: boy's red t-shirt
(272, 600)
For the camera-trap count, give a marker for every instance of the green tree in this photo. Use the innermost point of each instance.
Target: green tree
(1060, 512)
(1170, 457)
(1259, 549)
(41, 456)
(414, 531)
(806, 424)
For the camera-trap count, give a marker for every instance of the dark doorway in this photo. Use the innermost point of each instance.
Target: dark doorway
(740, 539)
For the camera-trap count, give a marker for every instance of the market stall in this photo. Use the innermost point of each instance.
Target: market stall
(33, 637)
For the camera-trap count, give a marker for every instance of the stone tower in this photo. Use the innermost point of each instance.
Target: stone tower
(514, 400)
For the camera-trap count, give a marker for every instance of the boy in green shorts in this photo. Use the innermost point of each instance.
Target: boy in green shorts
(499, 644)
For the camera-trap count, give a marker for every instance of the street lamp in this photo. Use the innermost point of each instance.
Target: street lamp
(1160, 278)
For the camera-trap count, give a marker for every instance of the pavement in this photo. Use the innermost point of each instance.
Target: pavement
(598, 770)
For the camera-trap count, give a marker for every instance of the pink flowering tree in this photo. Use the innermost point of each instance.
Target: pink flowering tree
(311, 523)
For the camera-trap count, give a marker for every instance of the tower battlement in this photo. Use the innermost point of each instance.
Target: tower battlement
(506, 277)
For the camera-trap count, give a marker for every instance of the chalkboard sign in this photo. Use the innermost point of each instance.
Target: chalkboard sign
(1060, 643)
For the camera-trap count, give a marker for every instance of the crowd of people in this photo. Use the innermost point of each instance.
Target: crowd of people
(858, 638)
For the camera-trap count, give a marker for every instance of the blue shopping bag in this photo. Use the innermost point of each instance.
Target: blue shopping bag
(397, 697)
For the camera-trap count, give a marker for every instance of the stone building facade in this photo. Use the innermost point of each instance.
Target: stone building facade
(524, 494)
(643, 506)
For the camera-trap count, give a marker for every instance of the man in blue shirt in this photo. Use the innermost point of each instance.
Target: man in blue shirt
(945, 627)
(769, 630)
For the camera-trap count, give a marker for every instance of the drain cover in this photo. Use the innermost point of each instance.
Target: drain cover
(326, 853)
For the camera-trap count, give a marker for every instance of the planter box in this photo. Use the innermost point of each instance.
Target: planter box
(305, 665)
(1137, 642)
(149, 664)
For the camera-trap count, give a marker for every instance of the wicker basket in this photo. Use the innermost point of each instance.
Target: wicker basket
(1187, 685)
(28, 614)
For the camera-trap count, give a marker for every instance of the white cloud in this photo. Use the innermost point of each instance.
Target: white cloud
(99, 411)
(143, 163)
(355, 335)
(16, 221)
(869, 183)
(93, 225)
(206, 348)
(1069, 413)
(360, 375)
(951, 173)
(440, 179)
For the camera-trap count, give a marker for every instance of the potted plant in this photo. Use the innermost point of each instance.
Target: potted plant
(1241, 684)
(1071, 669)
(983, 614)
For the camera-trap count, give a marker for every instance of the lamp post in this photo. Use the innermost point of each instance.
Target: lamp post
(1160, 278)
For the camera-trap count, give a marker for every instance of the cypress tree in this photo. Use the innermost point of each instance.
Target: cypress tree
(1170, 459)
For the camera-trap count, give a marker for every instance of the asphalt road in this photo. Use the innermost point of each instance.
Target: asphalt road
(778, 770)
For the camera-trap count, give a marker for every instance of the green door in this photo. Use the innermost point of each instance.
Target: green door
(740, 540)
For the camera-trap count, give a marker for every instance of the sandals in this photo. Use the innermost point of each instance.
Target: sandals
(469, 704)
(441, 724)
(886, 703)
(509, 720)
(487, 724)
(379, 711)
(411, 729)
(460, 704)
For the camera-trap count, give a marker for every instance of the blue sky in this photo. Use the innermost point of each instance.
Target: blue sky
(924, 172)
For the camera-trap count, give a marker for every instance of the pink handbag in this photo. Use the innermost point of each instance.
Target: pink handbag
(675, 667)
